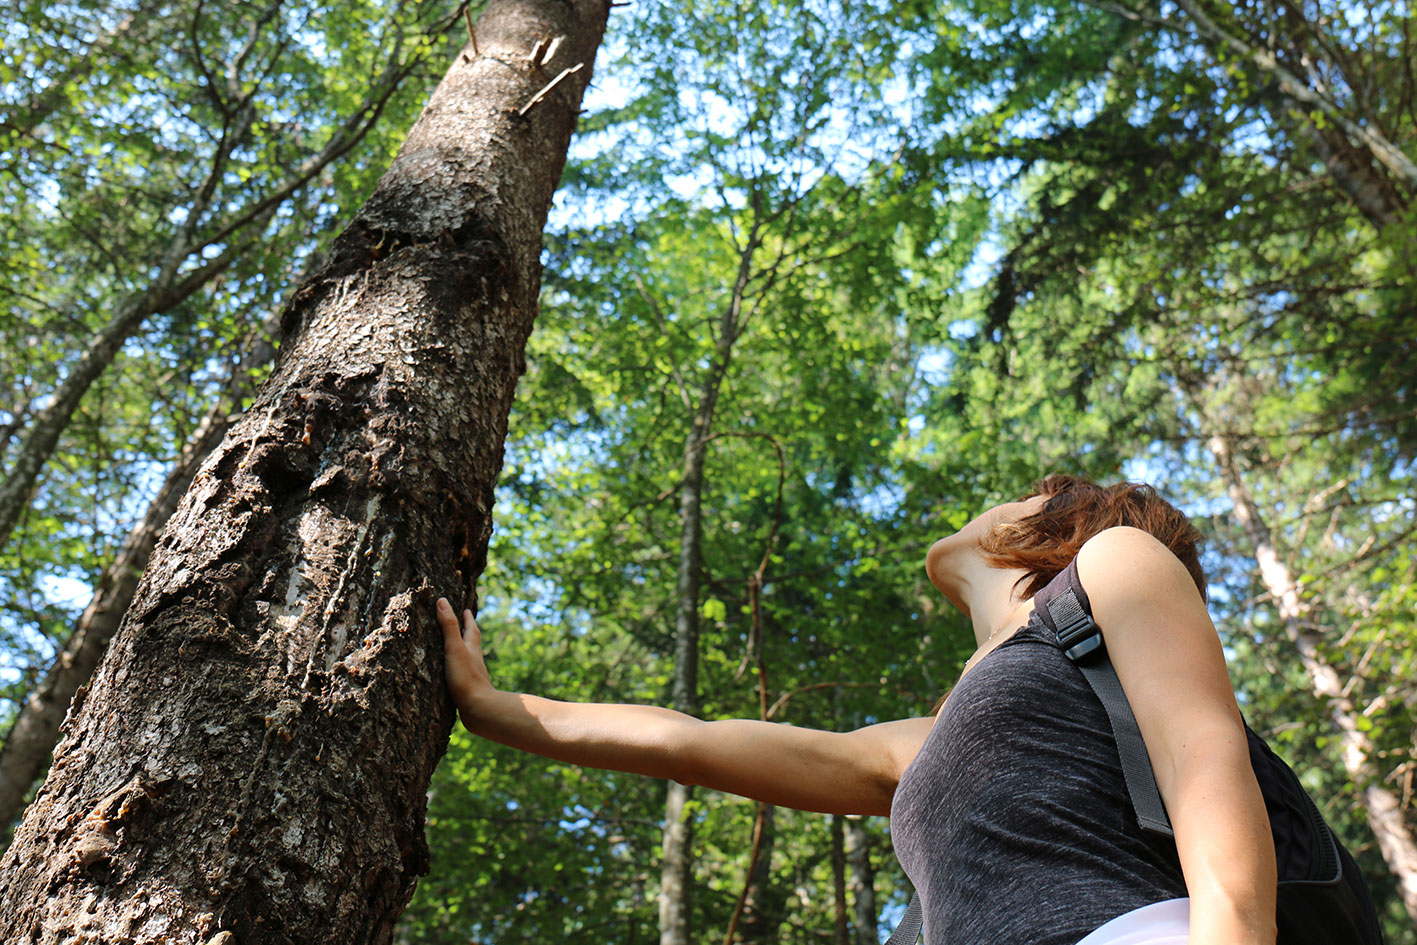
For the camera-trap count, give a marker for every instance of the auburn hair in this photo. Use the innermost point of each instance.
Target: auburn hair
(1042, 544)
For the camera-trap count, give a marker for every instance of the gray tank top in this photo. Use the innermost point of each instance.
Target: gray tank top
(1013, 821)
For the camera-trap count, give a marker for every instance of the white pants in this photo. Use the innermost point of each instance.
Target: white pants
(1161, 923)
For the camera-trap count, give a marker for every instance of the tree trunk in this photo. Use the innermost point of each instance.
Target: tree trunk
(676, 866)
(47, 426)
(251, 762)
(862, 883)
(763, 901)
(31, 739)
(1369, 190)
(1384, 811)
(841, 930)
(1362, 130)
(676, 863)
(676, 851)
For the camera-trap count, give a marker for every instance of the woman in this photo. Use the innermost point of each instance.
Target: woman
(1008, 806)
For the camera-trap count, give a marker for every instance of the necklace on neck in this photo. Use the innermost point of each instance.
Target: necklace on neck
(1008, 626)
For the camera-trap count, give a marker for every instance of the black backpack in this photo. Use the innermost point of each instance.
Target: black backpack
(1322, 899)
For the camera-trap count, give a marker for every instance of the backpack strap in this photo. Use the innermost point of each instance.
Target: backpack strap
(907, 930)
(1081, 640)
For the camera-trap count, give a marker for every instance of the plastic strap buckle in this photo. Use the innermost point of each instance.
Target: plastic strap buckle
(1079, 637)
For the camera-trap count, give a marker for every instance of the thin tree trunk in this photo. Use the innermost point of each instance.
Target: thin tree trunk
(47, 426)
(763, 900)
(19, 411)
(862, 883)
(251, 762)
(32, 736)
(841, 929)
(676, 851)
(171, 285)
(1384, 811)
(676, 866)
(676, 862)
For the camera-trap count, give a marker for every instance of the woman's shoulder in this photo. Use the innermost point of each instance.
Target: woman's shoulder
(1133, 564)
(1122, 538)
(1153, 617)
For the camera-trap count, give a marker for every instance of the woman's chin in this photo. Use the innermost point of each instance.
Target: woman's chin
(940, 568)
(936, 563)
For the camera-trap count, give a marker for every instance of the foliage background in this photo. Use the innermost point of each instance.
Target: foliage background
(970, 243)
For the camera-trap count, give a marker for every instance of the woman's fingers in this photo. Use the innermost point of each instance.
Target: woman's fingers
(468, 634)
(447, 621)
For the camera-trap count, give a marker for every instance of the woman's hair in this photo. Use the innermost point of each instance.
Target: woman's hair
(1043, 543)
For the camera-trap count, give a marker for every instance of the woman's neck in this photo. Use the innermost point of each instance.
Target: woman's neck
(993, 600)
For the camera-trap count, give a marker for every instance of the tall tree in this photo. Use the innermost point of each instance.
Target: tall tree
(157, 215)
(1383, 806)
(252, 759)
(1346, 83)
(93, 193)
(31, 738)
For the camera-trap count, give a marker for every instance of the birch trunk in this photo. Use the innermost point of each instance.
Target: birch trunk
(250, 764)
(1385, 815)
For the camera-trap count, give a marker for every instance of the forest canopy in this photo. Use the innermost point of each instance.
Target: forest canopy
(822, 280)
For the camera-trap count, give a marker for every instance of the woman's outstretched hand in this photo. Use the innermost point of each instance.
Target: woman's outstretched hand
(467, 675)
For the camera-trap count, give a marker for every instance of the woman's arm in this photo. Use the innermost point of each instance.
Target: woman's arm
(1169, 660)
(851, 773)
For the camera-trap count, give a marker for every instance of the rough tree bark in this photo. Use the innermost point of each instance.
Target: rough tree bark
(1385, 815)
(32, 736)
(250, 764)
